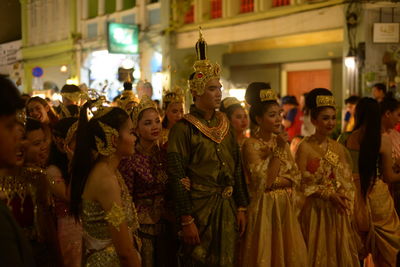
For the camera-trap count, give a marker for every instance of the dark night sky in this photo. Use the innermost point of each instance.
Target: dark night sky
(10, 20)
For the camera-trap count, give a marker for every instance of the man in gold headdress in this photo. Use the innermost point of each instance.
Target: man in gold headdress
(72, 96)
(203, 148)
(128, 100)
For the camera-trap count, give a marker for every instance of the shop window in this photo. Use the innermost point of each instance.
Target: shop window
(129, 19)
(92, 30)
(216, 9)
(93, 8)
(189, 16)
(278, 3)
(127, 4)
(154, 16)
(246, 6)
(110, 6)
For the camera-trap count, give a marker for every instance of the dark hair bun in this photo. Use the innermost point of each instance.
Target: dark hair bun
(252, 95)
(311, 99)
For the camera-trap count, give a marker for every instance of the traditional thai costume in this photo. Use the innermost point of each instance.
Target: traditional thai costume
(69, 230)
(394, 136)
(99, 248)
(273, 236)
(27, 197)
(207, 153)
(145, 175)
(330, 236)
(96, 222)
(170, 97)
(382, 239)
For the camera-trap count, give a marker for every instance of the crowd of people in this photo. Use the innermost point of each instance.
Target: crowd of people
(92, 183)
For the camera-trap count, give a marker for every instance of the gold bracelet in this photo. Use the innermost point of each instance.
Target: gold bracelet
(188, 222)
(242, 209)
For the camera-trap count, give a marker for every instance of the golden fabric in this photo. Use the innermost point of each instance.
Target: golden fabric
(329, 235)
(27, 183)
(99, 248)
(273, 236)
(383, 239)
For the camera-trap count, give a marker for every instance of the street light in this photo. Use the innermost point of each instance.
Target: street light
(350, 60)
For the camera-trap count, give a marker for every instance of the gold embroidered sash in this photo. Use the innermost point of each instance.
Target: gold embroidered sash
(217, 133)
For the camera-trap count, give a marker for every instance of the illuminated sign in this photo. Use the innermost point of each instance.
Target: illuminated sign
(123, 38)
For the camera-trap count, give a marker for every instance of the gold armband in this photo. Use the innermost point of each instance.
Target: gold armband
(115, 216)
(242, 209)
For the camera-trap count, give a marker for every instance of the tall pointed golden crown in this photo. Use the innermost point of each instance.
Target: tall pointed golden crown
(204, 70)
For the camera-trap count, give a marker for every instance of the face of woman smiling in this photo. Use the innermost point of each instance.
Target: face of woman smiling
(37, 111)
(325, 121)
(36, 148)
(149, 125)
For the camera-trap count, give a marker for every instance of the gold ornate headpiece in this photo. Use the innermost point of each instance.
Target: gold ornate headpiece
(173, 96)
(72, 92)
(325, 101)
(98, 108)
(126, 98)
(230, 101)
(204, 70)
(106, 148)
(267, 95)
(145, 103)
(75, 96)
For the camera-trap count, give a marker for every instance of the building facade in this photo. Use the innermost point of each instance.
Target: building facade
(49, 35)
(67, 40)
(293, 45)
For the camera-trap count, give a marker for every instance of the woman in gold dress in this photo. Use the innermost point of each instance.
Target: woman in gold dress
(375, 215)
(98, 193)
(326, 217)
(273, 236)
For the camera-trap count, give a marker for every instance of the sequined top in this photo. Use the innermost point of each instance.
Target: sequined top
(23, 193)
(99, 248)
(146, 178)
